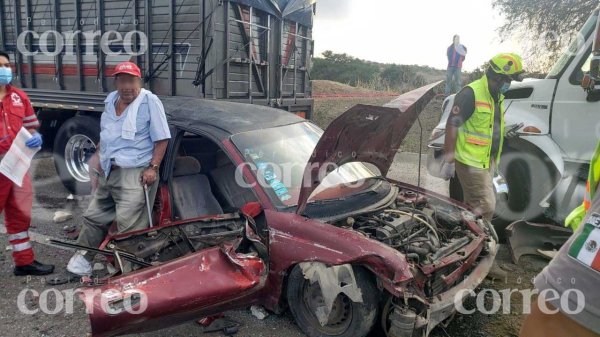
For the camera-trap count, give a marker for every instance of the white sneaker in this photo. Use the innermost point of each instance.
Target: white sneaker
(79, 265)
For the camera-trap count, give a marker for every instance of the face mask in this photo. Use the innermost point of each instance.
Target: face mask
(504, 88)
(5, 75)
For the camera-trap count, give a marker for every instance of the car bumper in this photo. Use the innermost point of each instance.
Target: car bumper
(443, 306)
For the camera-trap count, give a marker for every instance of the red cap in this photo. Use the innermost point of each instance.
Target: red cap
(128, 68)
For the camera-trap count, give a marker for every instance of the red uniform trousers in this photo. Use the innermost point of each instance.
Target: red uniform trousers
(16, 202)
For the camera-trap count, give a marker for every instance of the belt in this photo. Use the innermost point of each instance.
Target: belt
(114, 166)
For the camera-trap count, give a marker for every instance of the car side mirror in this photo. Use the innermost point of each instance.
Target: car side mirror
(251, 210)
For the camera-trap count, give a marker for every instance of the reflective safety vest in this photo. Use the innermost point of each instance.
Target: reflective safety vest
(475, 136)
(576, 217)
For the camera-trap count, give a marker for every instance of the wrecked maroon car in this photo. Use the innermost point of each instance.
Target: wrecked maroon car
(260, 207)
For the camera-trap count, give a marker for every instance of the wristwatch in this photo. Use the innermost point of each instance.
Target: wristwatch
(154, 167)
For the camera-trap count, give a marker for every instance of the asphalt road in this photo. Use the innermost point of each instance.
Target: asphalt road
(22, 304)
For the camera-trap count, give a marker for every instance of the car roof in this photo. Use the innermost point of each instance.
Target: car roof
(229, 117)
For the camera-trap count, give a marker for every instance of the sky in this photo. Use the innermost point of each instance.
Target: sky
(409, 31)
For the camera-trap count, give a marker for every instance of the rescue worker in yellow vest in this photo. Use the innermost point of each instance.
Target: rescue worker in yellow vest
(475, 133)
(576, 217)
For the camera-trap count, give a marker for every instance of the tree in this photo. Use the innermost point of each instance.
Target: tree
(545, 26)
(396, 76)
(343, 68)
(347, 69)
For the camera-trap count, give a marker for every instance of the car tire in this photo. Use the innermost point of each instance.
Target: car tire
(357, 320)
(74, 144)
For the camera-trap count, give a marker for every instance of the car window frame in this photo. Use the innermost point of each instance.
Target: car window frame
(573, 78)
(172, 154)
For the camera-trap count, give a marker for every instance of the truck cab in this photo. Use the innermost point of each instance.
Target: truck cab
(546, 164)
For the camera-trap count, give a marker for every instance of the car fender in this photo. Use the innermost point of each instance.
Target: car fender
(294, 239)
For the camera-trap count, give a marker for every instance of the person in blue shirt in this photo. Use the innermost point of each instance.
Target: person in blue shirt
(133, 140)
(456, 55)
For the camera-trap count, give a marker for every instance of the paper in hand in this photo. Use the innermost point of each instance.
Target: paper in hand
(17, 160)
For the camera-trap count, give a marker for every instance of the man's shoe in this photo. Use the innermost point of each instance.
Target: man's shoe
(78, 265)
(35, 268)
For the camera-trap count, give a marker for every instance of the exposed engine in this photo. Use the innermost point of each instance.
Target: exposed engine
(423, 229)
(427, 231)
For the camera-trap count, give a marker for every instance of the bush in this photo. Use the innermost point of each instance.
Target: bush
(346, 69)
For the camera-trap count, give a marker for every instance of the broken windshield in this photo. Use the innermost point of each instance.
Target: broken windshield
(279, 156)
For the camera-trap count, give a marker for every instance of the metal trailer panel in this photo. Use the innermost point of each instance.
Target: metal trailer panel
(201, 48)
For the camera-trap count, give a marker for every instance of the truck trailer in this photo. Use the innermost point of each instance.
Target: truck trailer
(64, 53)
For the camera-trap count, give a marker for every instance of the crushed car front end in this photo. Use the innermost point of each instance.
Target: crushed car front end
(448, 249)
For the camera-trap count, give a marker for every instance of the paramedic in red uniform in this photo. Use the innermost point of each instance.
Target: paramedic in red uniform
(16, 112)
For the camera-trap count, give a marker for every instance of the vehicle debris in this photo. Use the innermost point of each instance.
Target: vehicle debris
(62, 216)
(526, 238)
(225, 325)
(259, 312)
(333, 281)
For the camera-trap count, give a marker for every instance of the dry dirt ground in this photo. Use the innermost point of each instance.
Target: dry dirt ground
(51, 196)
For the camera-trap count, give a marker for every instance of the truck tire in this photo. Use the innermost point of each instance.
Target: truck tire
(351, 319)
(529, 180)
(75, 143)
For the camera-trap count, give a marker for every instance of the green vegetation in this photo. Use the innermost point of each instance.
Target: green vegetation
(545, 27)
(328, 109)
(341, 74)
(349, 70)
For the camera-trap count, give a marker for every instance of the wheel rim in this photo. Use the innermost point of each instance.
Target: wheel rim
(341, 313)
(78, 151)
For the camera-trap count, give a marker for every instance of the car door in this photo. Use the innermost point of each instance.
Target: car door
(226, 275)
(195, 286)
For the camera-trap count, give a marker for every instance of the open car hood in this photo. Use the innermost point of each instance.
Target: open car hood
(365, 133)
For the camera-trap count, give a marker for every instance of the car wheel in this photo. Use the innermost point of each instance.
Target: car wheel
(74, 145)
(347, 319)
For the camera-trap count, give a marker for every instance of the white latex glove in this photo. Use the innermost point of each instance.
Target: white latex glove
(448, 170)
